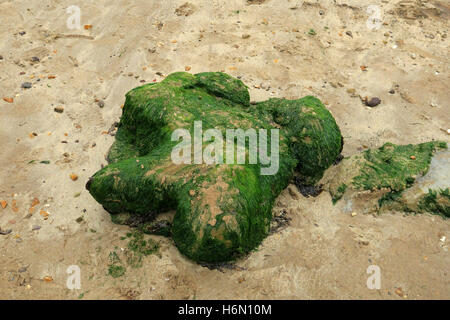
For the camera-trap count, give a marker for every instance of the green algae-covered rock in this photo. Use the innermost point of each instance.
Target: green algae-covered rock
(409, 178)
(223, 209)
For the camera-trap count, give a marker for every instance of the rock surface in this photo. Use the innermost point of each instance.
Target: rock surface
(223, 210)
(410, 178)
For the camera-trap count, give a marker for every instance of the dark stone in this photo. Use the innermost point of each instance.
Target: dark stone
(373, 102)
(26, 85)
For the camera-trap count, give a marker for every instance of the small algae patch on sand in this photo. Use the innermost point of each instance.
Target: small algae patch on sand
(115, 267)
(222, 210)
(133, 255)
(138, 248)
(393, 177)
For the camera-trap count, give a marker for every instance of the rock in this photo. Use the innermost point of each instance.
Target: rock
(26, 85)
(399, 292)
(59, 109)
(245, 36)
(22, 270)
(34, 228)
(430, 193)
(372, 102)
(349, 33)
(100, 103)
(5, 232)
(255, 1)
(212, 226)
(408, 178)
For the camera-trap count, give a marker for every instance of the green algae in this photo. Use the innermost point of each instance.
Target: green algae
(395, 166)
(222, 210)
(116, 271)
(340, 192)
(394, 169)
(136, 250)
(436, 202)
(115, 268)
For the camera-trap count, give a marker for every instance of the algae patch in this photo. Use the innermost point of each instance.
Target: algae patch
(408, 178)
(133, 255)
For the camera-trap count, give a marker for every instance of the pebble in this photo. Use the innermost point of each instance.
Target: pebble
(35, 59)
(349, 33)
(26, 85)
(392, 91)
(399, 292)
(22, 270)
(373, 102)
(34, 228)
(100, 103)
(354, 214)
(59, 109)
(5, 232)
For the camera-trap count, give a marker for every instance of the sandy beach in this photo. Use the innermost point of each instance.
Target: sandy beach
(62, 89)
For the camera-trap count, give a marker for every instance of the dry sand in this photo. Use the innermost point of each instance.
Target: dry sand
(324, 252)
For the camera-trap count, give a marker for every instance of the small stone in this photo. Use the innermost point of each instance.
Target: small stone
(35, 59)
(373, 102)
(100, 103)
(349, 33)
(34, 228)
(22, 33)
(5, 232)
(354, 214)
(245, 36)
(59, 109)
(399, 292)
(26, 85)
(73, 177)
(392, 91)
(22, 270)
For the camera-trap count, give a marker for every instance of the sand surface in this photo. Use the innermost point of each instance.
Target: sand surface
(324, 252)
